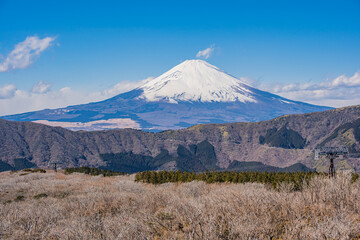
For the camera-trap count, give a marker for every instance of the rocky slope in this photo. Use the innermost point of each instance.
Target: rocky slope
(279, 142)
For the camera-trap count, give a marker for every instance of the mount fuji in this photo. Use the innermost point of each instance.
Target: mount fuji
(192, 92)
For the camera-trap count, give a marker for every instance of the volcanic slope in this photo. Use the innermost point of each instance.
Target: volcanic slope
(192, 92)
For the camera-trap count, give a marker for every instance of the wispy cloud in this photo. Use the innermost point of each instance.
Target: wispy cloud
(41, 88)
(7, 91)
(206, 53)
(338, 92)
(25, 53)
(125, 86)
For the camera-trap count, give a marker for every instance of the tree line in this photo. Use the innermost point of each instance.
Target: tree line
(93, 171)
(270, 178)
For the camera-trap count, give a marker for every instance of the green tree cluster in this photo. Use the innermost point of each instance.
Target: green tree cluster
(93, 171)
(270, 178)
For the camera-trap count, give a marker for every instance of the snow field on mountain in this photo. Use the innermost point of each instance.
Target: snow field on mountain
(197, 80)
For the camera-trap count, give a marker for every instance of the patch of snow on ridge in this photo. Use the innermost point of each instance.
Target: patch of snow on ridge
(196, 80)
(286, 101)
(93, 125)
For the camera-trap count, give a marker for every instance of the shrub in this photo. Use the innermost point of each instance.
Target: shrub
(38, 170)
(354, 177)
(93, 171)
(34, 170)
(41, 195)
(19, 198)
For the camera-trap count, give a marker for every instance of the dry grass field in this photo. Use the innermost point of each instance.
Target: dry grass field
(57, 206)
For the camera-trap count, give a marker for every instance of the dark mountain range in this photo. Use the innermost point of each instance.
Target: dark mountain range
(280, 142)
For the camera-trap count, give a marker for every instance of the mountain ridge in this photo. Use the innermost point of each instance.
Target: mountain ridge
(41, 144)
(191, 93)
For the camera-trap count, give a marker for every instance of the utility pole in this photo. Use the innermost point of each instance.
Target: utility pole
(331, 153)
(53, 164)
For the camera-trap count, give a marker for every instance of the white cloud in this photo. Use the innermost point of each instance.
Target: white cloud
(344, 81)
(25, 53)
(206, 53)
(13, 101)
(7, 91)
(41, 88)
(125, 86)
(338, 92)
(247, 81)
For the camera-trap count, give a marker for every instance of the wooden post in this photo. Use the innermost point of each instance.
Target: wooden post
(331, 167)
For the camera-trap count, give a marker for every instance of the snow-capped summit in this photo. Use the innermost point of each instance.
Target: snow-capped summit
(192, 92)
(196, 80)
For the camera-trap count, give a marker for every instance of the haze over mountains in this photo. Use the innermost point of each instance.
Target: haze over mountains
(192, 92)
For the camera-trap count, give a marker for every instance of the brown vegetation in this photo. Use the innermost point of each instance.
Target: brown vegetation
(78, 206)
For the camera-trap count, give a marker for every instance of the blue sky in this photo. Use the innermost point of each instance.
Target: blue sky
(83, 51)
